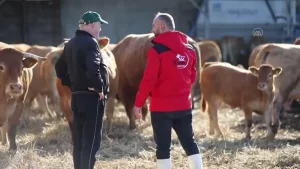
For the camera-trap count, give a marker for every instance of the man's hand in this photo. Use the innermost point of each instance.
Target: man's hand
(137, 112)
(101, 95)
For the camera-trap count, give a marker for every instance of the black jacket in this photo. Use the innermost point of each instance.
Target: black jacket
(79, 65)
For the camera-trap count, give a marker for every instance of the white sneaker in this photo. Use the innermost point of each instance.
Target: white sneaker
(163, 163)
(195, 161)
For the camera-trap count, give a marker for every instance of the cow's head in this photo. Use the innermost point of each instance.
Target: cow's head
(266, 74)
(103, 42)
(12, 63)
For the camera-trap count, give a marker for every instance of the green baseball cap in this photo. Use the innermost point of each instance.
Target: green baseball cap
(91, 17)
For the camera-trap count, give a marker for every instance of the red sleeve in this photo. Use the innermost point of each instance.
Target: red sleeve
(149, 78)
(194, 68)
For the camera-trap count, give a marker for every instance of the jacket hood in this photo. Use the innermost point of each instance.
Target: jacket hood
(175, 40)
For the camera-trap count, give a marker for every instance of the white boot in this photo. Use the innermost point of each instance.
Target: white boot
(195, 161)
(163, 163)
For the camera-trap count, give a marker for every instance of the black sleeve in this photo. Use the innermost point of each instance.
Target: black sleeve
(92, 60)
(61, 69)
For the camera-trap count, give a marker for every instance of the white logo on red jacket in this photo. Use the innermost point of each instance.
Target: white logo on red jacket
(181, 61)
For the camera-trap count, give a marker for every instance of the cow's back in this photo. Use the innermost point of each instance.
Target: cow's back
(131, 56)
(21, 46)
(40, 50)
(38, 84)
(4, 45)
(210, 51)
(277, 54)
(232, 89)
(254, 53)
(286, 56)
(297, 41)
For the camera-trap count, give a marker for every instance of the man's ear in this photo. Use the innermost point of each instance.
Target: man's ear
(253, 70)
(103, 42)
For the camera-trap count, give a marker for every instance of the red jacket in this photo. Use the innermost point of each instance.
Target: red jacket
(169, 74)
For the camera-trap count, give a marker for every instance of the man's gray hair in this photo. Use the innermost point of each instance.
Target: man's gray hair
(167, 18)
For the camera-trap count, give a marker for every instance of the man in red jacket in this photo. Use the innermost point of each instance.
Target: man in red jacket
(168, 79)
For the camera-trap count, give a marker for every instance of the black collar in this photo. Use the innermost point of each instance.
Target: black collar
(80, 32)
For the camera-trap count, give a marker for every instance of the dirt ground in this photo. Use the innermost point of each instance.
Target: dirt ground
(46, 144)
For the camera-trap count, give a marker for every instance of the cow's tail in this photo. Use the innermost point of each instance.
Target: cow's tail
(203, 104)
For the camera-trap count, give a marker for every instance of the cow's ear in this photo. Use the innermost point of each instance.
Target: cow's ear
(277, 71)
(253, 70)
(29, 62)
(103, 42)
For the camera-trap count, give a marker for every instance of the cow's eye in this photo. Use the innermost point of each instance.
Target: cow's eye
(270, 75)
(1, 67)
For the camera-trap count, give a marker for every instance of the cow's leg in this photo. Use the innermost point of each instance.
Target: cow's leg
(127, 96)
(110, 108)
(12, 132)
(13, 122)
(213, 116)
(26, 113)
(248, 122)
(42, 101)
(232, 55)
(130, 114)
(268, 120)
(4, 129)
(272, 116)
(54, 102)
(224, 53)
(65, 106)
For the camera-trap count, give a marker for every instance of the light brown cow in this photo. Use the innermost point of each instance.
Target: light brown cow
(21, 46)
(287, 85)
(111, 46)
(297, 41)
(39, 88)
(240, 89)
(254, 53)
(65, 92)
(15, 77)
(131, 58)
(210, 51)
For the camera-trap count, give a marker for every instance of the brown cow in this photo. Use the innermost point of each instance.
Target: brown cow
(287, 85)
(238, 90)
(15, 77)
(210, 51)
(131, 57)
(39, 88)
(234, 50)
(65, 93)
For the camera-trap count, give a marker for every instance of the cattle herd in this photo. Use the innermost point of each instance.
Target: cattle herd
(256, 77)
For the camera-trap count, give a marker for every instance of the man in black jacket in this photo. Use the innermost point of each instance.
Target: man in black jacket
(81, 68)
